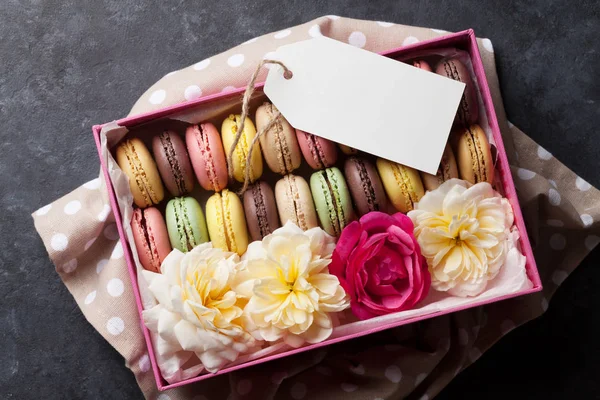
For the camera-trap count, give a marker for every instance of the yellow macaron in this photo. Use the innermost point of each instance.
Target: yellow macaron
(226, 222)
(229, 130)
(474, 156)
(135, 161)
(402, 184)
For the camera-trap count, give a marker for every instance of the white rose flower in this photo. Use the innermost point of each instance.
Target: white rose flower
(463, 231)
(288, 286)
(197, 310)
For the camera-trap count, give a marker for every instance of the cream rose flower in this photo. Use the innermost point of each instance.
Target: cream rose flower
(197, 311)
(463, 233)
(288, 286)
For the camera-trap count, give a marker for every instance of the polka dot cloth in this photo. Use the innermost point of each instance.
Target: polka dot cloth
(80, 235)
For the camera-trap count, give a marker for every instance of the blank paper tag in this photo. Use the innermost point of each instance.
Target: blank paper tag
(366, 101)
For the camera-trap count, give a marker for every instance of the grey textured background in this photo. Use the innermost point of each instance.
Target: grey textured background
(66, 65)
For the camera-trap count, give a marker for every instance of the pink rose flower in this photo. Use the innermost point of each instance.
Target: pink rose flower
(379, 264)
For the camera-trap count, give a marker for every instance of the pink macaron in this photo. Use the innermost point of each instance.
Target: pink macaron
(318, 152)
(424, 65)
(150, 237)
(207, 156)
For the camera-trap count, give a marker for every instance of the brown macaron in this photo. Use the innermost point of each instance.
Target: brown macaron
(173, 163)
(474, 155)
(261, 210)
(446, 171)
(468, 109)
(365, 186)
(279, 144)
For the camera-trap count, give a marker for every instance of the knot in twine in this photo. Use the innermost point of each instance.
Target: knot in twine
(287, 74)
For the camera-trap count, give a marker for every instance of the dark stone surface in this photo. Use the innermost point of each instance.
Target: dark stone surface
(68, 64)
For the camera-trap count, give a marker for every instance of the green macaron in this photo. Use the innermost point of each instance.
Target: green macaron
(185, 223)
(332, 200)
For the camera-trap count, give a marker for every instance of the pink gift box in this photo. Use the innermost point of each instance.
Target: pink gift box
(465, 41)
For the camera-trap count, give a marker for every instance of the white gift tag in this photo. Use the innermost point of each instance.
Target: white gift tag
(366, 101)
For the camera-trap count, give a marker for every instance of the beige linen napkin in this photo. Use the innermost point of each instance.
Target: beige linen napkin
(562, 214)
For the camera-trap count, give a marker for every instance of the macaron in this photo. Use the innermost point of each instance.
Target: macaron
(228, 132)
(150, 237)
(295, 202)
(402, 184)
(446, 171)
(261, 210)
(468, 109)
(173, 163)
(207, 156)
(474, 155)
(279, 144)
(226, 222)
(347, 149)
(136, 162)
(365, 186)
(422, 65)
(332, 200)
(185, 223)
(317, 151)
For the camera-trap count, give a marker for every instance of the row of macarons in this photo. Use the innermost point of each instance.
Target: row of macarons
(331, 199)
(174, 161)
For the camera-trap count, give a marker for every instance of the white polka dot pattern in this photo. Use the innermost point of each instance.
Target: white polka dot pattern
(282, 34)
(554, 197)
(93, 184)
(525, 174)
(111, 232)
(385, 24)
(90, 297)
(144, 363)
(100, 266)
(70, 266)
(410, 40)
(487, 44)
(357, 39)
(199, 66)
(44, 210)
(543, 153)
(558, 241)
(102, 215)
(587, 219)
(72, 207)
(115, 287)
(192, 92)
(235, 60)
(358, 370)
(591, 241)
(559, 276)
(582, 184)
(348, 387)
(59, 242)
(89, 244)
(393, 374)
(315, 31)
(555, 222)
(157, 97)
(115, 326)
(117, 251)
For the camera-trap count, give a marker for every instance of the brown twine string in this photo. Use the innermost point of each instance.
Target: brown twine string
(287, 74)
